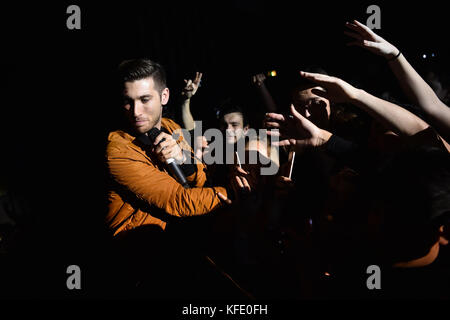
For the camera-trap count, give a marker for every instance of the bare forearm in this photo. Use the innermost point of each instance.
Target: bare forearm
(415, 88)
(186, 115)
(394, 117)
(420, 93)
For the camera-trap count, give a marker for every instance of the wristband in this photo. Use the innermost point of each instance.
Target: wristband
(398, 55)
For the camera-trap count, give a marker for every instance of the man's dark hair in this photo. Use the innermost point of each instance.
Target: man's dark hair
(229, 106)
(138, 69)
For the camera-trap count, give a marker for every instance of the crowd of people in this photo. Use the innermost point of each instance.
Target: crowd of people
(352, 189)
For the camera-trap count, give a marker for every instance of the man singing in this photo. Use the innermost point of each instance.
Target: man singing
(143, 192)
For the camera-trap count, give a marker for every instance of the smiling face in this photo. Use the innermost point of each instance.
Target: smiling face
(143, 104)
(311, 106)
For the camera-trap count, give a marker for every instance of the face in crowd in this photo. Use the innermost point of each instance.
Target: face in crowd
(233, 125)
(313, 107)
(143, 103)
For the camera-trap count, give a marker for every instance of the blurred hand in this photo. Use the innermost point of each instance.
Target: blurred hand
(258, 79)
(168, 148)
(295, 130)
(241, 182)
(284, 183)
(191, 86)
(367, 39)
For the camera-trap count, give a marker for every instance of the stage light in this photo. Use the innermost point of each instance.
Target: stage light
(272, 73)
(424, 56)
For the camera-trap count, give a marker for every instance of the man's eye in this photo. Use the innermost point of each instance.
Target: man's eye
(145, 100)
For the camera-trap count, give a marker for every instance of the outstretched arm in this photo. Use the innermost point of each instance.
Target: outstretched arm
(412, 84)
(394, 117)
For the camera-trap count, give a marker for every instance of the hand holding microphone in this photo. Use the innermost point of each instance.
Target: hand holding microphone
(166, 147)
(167, 150)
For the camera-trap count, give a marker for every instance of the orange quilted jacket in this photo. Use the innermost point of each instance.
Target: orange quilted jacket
(142, 192)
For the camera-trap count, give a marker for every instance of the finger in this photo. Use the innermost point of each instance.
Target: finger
(297, 114)
(168, 142)
(167, 146)
(239, 182)
(364, 28)
(159, 149)
(185, 81)
(223, 198)
(167, 153)
(246, 184)
(354, 27)
(282, 143)
(161, 136)
(275, 116)
(241, 171)
(316, 77)
(273, 133)
(371, 44)
(272, 125)
(285, 179)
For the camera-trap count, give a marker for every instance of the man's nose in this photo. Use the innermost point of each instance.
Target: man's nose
(138, 108)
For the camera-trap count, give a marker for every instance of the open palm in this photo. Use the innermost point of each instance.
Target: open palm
(369, 40)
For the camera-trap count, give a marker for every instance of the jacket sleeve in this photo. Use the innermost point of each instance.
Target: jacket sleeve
(134, 172)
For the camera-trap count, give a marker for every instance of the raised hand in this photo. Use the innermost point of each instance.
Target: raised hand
(369, 40)
(258, 79)
(295, 130)
(192, 86)
(336, 90)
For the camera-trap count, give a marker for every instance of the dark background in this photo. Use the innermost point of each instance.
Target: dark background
(58, 101)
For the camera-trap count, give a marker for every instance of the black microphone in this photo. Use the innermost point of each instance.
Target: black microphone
(174, 168)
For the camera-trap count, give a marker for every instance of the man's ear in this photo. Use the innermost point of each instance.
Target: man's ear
(246, 129)
(165, 96)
